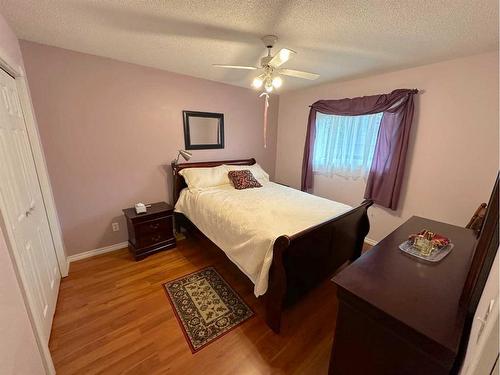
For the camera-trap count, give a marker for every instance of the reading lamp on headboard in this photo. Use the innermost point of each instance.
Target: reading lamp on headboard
(185, 154)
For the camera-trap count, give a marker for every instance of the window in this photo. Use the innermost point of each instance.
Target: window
(344, 145)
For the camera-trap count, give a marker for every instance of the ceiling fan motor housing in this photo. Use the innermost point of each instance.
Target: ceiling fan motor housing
(269, 40)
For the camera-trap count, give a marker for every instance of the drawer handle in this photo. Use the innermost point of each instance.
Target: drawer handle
(154, 226)
(156, 238)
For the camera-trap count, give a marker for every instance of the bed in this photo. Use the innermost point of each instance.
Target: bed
(285, 241)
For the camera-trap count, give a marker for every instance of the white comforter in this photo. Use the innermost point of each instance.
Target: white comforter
(245, 223)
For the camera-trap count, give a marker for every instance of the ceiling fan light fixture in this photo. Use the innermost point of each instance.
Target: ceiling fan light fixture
(257, 82)
(269, 88)
(277, 82)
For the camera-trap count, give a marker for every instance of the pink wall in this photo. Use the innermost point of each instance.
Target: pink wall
(453, 154)
(9, 45)
(18, 349)
(109, 128)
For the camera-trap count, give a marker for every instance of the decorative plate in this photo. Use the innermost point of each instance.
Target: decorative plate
(435, 256)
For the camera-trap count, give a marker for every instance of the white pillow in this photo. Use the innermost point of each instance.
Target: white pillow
(200, 178)
(257, 171)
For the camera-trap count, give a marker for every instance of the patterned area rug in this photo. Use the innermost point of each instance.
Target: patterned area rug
(206, 306)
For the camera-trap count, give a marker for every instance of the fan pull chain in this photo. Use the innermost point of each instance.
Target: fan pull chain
(266, 106)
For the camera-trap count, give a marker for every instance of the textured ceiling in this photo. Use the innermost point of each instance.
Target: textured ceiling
(337, 39)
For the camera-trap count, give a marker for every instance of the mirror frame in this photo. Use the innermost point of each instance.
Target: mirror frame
(187, 138)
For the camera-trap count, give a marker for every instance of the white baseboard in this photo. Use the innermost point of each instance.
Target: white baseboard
(369, 241)
(93, 253)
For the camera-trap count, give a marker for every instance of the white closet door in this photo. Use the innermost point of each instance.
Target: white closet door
(25, 211)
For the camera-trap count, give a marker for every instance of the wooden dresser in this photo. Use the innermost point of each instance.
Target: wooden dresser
(150, 232)
(399, 315)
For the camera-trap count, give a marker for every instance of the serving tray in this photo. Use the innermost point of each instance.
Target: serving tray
(435, 256)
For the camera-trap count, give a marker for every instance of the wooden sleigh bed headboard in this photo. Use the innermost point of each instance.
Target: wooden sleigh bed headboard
(179, 183)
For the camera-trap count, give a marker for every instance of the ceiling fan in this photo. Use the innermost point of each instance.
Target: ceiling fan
(270, 65)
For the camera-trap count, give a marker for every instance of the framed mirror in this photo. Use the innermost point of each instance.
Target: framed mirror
(203, 130)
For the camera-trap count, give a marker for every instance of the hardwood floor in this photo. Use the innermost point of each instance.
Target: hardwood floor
(113, 317)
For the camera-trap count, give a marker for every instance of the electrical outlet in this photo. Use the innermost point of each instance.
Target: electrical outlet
(115, 227)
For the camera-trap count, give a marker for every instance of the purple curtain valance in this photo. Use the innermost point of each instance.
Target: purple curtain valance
(386, 173)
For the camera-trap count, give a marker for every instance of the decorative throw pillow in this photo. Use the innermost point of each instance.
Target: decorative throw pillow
(257, 171)
(243, 179)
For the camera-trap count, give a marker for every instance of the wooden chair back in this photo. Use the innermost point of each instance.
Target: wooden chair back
(476, 221)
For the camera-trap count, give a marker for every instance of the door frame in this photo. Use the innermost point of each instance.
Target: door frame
(48, 200)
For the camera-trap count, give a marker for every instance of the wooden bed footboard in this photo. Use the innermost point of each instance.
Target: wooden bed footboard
(302, 261)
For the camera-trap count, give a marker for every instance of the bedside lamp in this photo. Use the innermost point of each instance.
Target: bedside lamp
(186, 155)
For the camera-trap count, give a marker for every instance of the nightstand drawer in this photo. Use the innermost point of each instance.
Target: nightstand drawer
(154, 231)
(152, 239)
(163, 224)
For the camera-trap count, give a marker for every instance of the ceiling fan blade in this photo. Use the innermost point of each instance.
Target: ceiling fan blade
(299, 74)
(235, 67)
(281, 57)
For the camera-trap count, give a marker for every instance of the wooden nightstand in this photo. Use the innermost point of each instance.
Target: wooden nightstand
(150, 232)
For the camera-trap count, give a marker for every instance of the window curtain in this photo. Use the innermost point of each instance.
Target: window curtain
(386, 173)
(344, 145)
